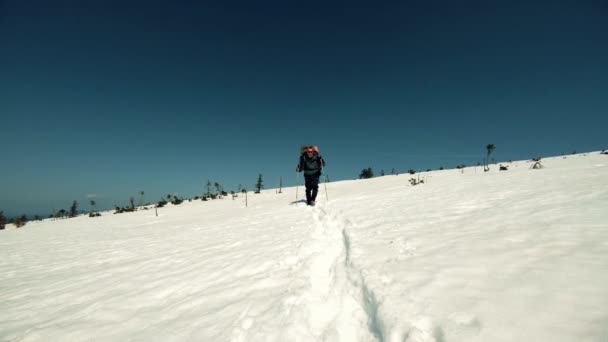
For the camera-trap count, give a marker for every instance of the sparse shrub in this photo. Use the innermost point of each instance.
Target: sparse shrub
(60, 214)
(177, 201)
(366, 173)
(20, 221)
(2, 220)
(441, 168)
(94, 214)
(415, 181)
(537, 164)
(503, 168)
(411, 171)
(124, 210)
(161, 203)
(604, 152)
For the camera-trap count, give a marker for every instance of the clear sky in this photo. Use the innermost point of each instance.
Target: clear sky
(108, 98)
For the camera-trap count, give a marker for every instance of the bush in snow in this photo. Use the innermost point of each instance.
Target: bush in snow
(120, 210)
(2, 220)
(415, 181)
(503, 168)
(537, 164)
(20, 221)
(366, 173)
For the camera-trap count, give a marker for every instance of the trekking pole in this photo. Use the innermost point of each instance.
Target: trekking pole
(325, 184)
(297, 185)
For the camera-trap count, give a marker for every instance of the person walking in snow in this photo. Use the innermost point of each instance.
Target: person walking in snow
(311, 163)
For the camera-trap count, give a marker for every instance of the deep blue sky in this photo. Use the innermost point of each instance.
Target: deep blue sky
(114, 97)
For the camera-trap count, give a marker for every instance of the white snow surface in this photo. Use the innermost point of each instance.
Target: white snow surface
(520, 255)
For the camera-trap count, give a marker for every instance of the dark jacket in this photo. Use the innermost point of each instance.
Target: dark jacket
(312, 165)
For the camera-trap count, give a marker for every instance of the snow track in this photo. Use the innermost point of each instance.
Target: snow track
(329, 299)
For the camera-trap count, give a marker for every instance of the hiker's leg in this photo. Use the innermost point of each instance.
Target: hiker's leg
(308, 184)
(315, 187)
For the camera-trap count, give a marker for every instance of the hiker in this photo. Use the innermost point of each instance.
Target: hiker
(311, 163)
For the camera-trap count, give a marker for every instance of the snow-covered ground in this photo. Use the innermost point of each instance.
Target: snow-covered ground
(520, 255)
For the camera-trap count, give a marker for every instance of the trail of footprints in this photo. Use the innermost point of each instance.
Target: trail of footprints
(328, 298)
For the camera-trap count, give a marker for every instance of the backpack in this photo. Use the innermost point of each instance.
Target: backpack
(315, 148)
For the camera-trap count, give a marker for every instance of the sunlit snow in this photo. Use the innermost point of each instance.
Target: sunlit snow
(517, 255)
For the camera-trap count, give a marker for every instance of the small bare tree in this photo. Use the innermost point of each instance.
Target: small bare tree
(489, 149)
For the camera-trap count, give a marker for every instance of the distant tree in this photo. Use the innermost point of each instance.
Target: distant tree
(20, 221)
(489, 149)
(132, 202)
(141, 200)
(366, 173)
(60, 213)
(259, 185)
(280, 185)
(208, 188)
(393, 171)
(92, 204)
(2, 220)
(381, 172)
(411, 171)
(74, 209)
(441, 168)
(218, 188)
(161, 203)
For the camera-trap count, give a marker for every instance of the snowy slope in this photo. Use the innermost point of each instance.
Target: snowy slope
(520, 255)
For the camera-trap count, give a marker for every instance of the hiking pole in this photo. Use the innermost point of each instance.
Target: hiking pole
(325, 184)
(297, 184)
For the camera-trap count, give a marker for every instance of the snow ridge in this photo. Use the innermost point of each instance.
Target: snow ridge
(334, 303)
